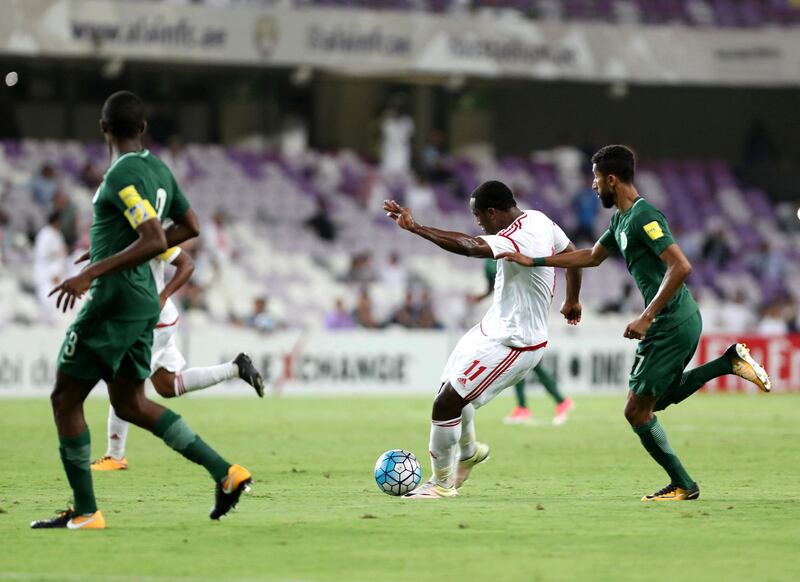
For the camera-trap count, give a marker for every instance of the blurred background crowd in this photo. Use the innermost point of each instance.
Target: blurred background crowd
(288, 168)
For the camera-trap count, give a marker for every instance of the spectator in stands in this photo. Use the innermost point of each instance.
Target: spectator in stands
(44, 186)
(432, 158)
(586, 206)
(769, 264)
(363, 313)
(736, 316)
(427, 315)
(3, 224)
(773, 320)
(716, 249)
(193, 297)
(339, 318)
(397, 129)
(420, 196)
(49, 255)
(217, 242)
(176, 160)
(261, 319)
(417, 312)
(628, 302)
(90, 176)
(320, 222)
(394, 273)
(759, 147)
(161, 123)
(361, 270)
(569, 162)
(65, 207)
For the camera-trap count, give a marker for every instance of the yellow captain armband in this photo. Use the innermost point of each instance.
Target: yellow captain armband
(653, 230)
(169, 255)
(137, 209)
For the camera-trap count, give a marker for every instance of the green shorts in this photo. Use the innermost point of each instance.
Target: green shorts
(663, 355)
(96, 348)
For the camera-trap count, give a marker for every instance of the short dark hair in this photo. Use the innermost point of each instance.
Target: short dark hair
(124, 113)
(616, 159)
(493, 194)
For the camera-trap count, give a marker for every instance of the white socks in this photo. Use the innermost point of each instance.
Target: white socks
(467, 441)
(117, 435)
(443, 450)
(199, 378)
(448, 439)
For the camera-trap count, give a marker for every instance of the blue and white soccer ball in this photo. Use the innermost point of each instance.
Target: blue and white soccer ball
(397, 472)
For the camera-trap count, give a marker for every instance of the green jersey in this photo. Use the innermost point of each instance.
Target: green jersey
(641, 234)
(137, 187)
(490, 270)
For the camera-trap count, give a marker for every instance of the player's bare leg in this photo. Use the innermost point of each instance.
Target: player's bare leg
(639, 413)
(74, 445)
(128, 398)
(445, 435)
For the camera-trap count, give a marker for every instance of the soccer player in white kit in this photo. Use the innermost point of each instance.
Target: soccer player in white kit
(167, 363)
(510, 339)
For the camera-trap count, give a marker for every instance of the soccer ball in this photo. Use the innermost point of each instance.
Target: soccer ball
(397, 472)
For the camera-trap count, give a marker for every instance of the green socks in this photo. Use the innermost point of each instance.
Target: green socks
(654, 440)
(693, 380)
(549, 383)
(75, 456)
(546, 380)
(177, 434)
(520, 388)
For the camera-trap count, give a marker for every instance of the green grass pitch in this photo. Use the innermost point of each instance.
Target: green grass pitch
(552, 503)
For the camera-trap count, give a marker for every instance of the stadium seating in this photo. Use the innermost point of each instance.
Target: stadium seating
(268, 198)
(702, 13)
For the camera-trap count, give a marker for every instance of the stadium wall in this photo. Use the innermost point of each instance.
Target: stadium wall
(385, 362)
(380, 43)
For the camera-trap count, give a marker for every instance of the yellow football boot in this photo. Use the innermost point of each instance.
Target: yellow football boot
(230, 489)
(674, 493)
(70, 520)
(431, 490)
(465, 467)
(746, 367)
(108, 463)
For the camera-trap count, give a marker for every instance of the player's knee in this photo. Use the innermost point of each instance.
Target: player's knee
(127, 408)
(164, 386)
(447, 404)
(636, 415)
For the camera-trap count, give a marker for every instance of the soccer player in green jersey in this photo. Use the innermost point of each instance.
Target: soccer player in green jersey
(521, 413)
(670, 325)
(112, 336)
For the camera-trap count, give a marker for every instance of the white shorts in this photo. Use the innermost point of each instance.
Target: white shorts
(165, 350)
(479, 368)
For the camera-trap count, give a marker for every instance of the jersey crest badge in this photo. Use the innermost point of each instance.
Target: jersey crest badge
(623, 240)
(462, 381)
(653, 230)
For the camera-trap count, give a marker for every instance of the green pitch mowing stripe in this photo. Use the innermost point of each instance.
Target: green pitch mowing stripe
(555, 503)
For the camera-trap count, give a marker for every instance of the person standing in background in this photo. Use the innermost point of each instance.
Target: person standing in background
(49, 256)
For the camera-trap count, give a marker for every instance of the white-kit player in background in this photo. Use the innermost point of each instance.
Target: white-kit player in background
(166, 365)
(510, 339)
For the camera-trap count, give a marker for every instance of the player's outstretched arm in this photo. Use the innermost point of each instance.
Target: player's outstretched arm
(183, 228)
(151, 242)
(678, 270)
(571, 308)
(454, 242)
(575, 259)
(184, 267)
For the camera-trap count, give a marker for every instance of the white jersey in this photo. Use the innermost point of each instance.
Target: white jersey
(169, 315)
(522, 295)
